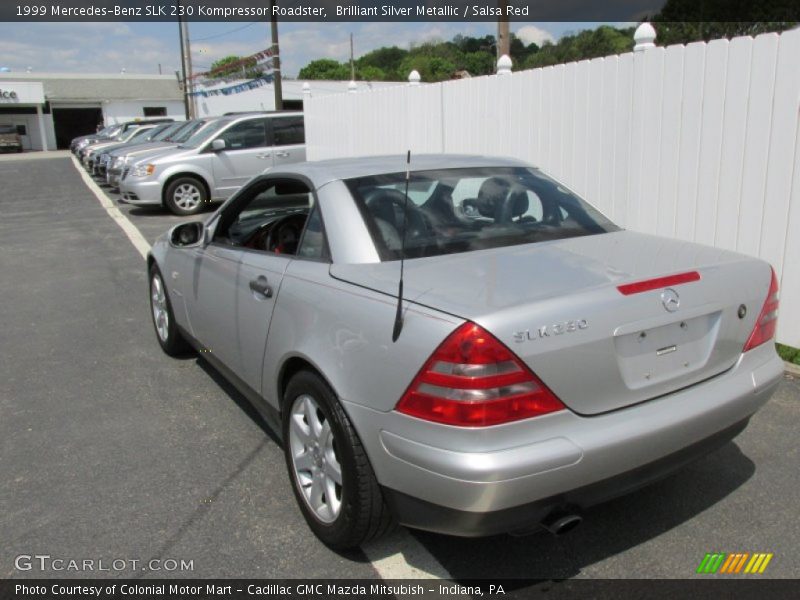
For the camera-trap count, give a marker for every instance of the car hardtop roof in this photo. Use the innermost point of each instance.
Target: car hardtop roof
(234, 117)
(324, 171)
(235, 113)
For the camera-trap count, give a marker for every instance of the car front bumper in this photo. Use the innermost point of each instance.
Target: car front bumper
(113, 177)
(138, 191)
(503, 478)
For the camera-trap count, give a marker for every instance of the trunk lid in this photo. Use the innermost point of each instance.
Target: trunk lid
(558, 307)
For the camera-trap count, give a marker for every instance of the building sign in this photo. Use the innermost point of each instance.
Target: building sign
(21, 92)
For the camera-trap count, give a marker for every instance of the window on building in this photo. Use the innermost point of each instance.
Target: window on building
(155, 111)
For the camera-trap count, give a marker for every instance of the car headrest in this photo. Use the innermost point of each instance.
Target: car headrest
(518, 201)
(382, 203)
(491, 196)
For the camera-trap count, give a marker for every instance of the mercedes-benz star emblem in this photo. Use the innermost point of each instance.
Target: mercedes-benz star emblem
(670, 300)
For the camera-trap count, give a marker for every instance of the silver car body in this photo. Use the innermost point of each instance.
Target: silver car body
(631, 414)
(124, 157)
(222, 172)
(91, 153)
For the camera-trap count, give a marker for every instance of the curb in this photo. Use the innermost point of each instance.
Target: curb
(790, 368)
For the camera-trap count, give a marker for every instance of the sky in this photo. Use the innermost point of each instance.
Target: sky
(142, 47)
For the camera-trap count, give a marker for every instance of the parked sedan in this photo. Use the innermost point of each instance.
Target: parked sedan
(535, 360)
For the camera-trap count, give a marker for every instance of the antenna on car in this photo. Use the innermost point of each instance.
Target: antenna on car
(398, 318)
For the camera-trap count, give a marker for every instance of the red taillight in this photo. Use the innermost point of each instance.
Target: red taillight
(764, 329)
(473, 380)
(638, 287)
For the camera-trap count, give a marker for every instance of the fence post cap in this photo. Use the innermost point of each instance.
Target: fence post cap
(644, 36)
(352, 86)
(504, 64)
(414, 77)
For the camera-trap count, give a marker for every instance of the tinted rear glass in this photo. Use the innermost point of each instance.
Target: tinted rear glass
(460, 210)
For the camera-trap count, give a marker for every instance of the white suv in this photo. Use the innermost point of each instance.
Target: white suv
(214, 163)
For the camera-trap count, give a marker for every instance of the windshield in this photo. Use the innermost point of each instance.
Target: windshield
(203, 134)
(142, 134)
(111, 131)
(461, 210)
(127, 135)
(164, 133)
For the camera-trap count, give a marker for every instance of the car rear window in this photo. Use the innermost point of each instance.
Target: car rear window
(461, 210)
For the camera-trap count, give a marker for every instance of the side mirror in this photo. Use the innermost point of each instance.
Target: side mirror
(188, 235)
(218, 145)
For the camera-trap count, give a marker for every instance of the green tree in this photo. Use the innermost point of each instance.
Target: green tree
(686, 21)
(431, 68)
(325, 68)
(386, 59)
(247, 70)
(370, 73)
(603, 41)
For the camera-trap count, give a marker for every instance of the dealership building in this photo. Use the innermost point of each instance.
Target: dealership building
(51, 109)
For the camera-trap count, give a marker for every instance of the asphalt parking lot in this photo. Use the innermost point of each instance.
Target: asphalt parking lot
(111, 450)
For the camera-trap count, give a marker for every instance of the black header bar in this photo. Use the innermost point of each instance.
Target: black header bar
(387, 10)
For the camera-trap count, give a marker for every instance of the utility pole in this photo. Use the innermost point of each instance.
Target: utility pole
(503, 34)
(182, 78)
(352, 63)
(276, 58)
(188, 58)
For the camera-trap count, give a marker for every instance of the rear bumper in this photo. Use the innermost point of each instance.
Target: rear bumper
(505, 477)
(419, 514)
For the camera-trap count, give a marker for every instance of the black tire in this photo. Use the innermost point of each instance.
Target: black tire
(363, 514)
(172, 342)
(178, 193)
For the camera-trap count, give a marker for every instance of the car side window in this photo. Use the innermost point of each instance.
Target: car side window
(287, 131)
(267, 216)
(245, 134)
(313, 245)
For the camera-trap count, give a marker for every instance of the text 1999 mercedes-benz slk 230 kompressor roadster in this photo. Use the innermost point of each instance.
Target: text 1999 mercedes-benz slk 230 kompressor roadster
(543, 360)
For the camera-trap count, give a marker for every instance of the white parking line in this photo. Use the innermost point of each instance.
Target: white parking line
(398, 556)
(134, 235)
(401, 556)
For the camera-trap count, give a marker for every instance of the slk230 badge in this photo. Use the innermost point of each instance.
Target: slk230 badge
(550, 330)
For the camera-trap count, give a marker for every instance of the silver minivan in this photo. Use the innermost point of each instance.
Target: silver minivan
(214, 163)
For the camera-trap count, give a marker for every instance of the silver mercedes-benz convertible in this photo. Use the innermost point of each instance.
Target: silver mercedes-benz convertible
(464, 346)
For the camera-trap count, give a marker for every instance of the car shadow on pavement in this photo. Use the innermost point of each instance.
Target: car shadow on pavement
(607, 530)
(237, 397)
(147, 211)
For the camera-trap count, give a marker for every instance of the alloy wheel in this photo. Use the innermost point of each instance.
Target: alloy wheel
(158, 300)
(187, 196)
(317, 470)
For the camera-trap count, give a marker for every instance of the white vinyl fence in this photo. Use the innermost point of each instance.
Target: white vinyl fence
(696, 142)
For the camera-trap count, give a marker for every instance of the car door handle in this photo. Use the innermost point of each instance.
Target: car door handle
(263, 155)
(261, 287)
(282, 154)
